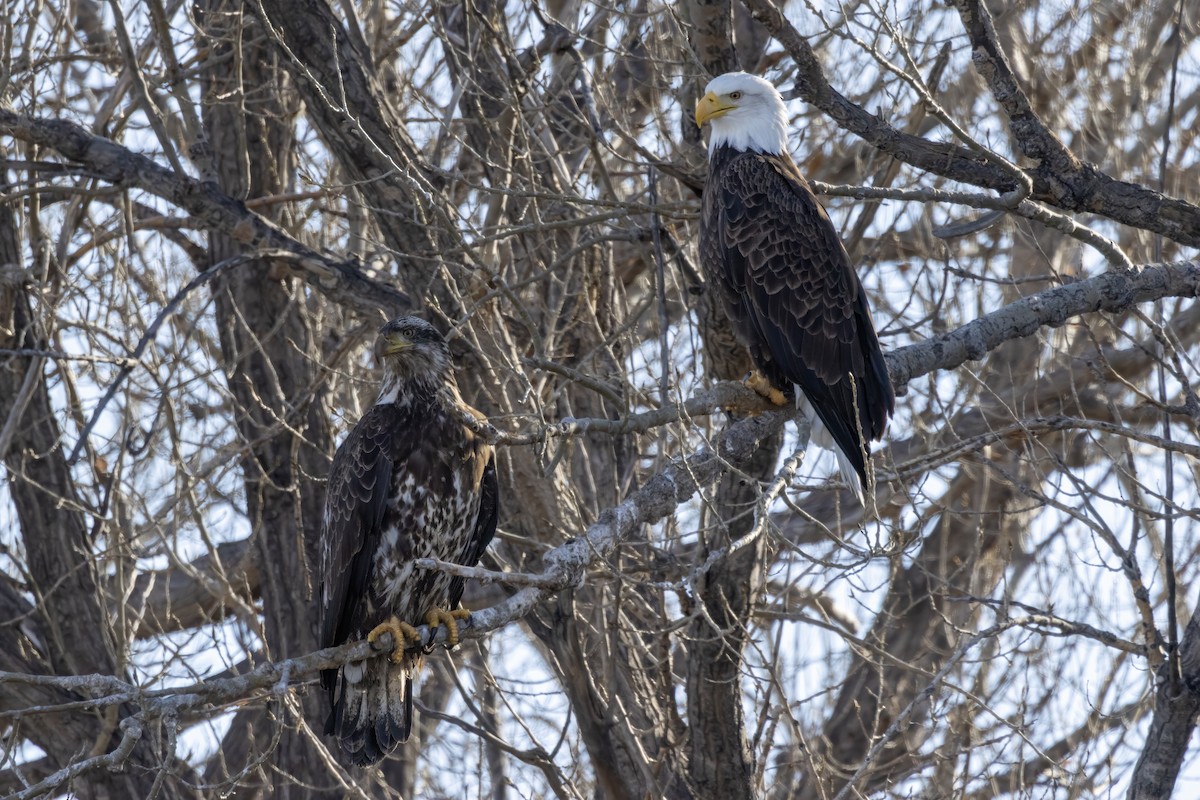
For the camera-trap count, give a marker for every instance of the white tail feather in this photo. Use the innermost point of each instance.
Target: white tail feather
(820, 436)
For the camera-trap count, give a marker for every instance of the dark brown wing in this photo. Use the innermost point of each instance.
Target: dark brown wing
(355, 500)
(792, 295)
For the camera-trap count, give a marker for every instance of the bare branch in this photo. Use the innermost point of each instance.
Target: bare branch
(1079, 187)
(131, 733)
(1111, 291)
(342, 281)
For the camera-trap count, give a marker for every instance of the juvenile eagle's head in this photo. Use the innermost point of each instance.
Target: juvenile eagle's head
(411, 351)
(744, 112)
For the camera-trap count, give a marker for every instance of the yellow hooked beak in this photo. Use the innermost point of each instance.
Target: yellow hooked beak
(392, 343)
(710, 107)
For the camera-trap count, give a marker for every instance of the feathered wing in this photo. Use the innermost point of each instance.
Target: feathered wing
(372, 707)
(430, 452)
(793, 297)
(355, 502)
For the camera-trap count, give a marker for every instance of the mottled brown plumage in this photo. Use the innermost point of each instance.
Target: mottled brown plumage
(788, 287)
(410, 481)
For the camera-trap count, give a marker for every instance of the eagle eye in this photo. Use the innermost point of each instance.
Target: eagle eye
(408, 332)
(735, 95)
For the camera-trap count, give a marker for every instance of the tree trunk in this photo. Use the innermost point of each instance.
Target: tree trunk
(273, 353)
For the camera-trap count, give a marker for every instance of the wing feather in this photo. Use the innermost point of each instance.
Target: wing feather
(793, 296)
(356, 498)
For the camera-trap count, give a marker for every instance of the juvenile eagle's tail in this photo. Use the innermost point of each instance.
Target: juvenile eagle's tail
(372, 710)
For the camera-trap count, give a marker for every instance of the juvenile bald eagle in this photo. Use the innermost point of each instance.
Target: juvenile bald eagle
(785, 278)
(410, 481)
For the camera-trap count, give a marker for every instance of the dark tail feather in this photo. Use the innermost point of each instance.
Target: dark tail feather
(373, 710)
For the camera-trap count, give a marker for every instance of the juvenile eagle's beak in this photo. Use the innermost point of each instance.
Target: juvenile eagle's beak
(710, 107)
(391, 343)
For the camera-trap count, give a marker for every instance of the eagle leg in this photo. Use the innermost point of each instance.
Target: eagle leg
(440, 616)
(402, 633)
(759, 383)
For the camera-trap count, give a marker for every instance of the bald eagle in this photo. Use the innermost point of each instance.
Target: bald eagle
(411, 480)
(784, 277)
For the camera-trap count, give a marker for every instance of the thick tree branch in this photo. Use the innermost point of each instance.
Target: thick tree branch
(1072, 186)
(980, 421)
(1112, 291)
(113, 761)
(1033, 137)
(952, 161)
(200, 593)
(658, 496)
(341, 281)
(189, 601)
(346, 101)
(1176, 708)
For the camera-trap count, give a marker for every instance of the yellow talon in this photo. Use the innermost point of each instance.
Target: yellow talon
(440, 616)
(759, 383)
(402, 633)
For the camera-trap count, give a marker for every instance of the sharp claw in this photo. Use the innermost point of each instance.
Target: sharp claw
(402, 633)
(440, 616)
(759, 383)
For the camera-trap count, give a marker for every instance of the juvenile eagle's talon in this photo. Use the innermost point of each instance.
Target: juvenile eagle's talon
(761, 386)
(402, 633)
(440, 616)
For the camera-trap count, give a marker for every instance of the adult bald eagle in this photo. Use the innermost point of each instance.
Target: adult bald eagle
(410, 481)
(785, 278)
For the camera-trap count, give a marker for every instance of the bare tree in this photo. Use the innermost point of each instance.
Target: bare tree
(209, 208)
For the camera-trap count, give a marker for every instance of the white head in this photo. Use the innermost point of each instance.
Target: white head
(745, 112)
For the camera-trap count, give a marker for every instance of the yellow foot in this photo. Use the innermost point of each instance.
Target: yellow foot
(759, 383)
(440, 616)
(402, 633)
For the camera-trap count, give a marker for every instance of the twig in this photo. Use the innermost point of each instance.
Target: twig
(1176, 673)
(728, 395)
(1038, 620)
(59, 355)
(131, 733)
(148, 336)
(923, 697)
(341, 281)
(534, 756)
(1079, 187)
(660, 278)
(1025, 208)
